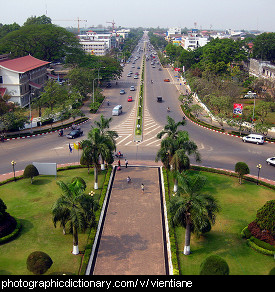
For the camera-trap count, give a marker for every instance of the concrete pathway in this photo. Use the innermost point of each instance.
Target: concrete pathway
(132, 241)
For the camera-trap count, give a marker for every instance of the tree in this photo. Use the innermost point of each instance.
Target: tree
(241, 168)
(171, 128)
(38, 262)
(264, 47)
(191, 209)
(75, 208)
(265, 217)
(103, 124)
(43, 41)
(95, 146)
(30, 172)
(214, 265)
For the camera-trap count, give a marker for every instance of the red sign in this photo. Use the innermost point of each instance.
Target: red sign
(238, 109)
(177, 69)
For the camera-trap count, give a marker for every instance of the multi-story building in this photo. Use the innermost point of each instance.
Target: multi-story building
(22, 78)
(193, 41)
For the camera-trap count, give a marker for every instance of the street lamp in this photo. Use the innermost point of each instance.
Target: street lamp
(13, 163)
(259, 166)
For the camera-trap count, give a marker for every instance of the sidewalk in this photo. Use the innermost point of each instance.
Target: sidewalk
(132, 241)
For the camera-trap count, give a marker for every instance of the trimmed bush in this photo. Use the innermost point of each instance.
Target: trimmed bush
(30, 172)
(241, 168)
(214, 265)
(38, 262)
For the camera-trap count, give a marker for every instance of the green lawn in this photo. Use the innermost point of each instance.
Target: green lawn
(239, 204)
(31, 205)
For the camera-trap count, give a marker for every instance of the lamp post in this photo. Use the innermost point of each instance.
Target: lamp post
(13, 163)
(259, 166)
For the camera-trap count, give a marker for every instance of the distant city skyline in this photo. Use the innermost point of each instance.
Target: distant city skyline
(211, 14)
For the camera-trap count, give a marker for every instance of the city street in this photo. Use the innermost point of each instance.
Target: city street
(217, 150)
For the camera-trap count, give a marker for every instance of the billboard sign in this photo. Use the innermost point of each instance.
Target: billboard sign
(238, 109)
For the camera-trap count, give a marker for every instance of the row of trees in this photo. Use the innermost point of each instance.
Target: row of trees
(189, 207)
(74, 208)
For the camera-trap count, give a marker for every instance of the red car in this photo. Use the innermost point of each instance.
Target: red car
(130, 98)
(166, 80)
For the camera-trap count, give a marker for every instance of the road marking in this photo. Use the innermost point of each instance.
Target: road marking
(124, 139)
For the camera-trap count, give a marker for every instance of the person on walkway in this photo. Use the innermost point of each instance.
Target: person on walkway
(126, 163)
(118, 163)
(128, 179)
(142, 188)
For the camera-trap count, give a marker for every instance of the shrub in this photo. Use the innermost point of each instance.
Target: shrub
(30, 172)
(263, 235)
(38, 262)
(272, 272)
(214, 265)
(241, 168)
(265, 217)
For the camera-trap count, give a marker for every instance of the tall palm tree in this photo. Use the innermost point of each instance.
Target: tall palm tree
(75, 208)
(179, 162)
(171, 128)
(103, 124)
(191, 209)
(95, 146)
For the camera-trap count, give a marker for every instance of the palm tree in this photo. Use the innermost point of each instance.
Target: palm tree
(75, 208)
(103, 124)
(171, 128)
(95, 146)
(179, 162)
(191, 209)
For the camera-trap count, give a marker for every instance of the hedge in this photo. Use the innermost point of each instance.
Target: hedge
(173, 241)
(11, 235)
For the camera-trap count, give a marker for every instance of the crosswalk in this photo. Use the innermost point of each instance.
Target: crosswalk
(125, 131)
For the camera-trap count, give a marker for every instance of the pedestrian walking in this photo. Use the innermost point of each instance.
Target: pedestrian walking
(142, 188)
(118, 163)
(126, 163)
(128, 179)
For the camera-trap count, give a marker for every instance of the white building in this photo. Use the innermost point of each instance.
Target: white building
(22, 78)
(193, 41)
(97, 43)
(174, 30)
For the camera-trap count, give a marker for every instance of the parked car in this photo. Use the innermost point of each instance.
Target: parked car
(75, 133)
(254, 138)
(271, 161)
(132, 88)
(167, 80)
(159, 99)
(122, 91)
(130, 98)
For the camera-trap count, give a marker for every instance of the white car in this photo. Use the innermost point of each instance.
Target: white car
(271, 161)
(132, 88)
(254, 138)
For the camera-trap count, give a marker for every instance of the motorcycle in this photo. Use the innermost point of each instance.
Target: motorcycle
(60, 133)
(119, 155)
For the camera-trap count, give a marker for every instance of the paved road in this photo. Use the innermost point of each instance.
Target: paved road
(132, 240)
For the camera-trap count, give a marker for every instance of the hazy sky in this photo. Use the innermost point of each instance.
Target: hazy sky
(215, 14)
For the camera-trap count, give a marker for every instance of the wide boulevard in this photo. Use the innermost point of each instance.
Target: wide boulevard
(217, 150)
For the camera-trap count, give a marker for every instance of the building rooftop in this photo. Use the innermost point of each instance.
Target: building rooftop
(22, 64)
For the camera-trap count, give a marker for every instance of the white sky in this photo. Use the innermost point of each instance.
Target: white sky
(215, 14)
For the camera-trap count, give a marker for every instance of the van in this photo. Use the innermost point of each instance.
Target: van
(117, 110)
(254, 138)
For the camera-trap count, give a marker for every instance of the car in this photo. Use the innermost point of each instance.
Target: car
(254, 138)
(153, 66)
(109, 85)
(132, 88)
(135, 77)
(159, 99)
(271, 161)
(122, 91)
(75, 133)
(130, 98)
(129, 75)
(166, 80)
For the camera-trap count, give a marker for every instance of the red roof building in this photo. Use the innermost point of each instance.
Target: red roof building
(22, 78)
